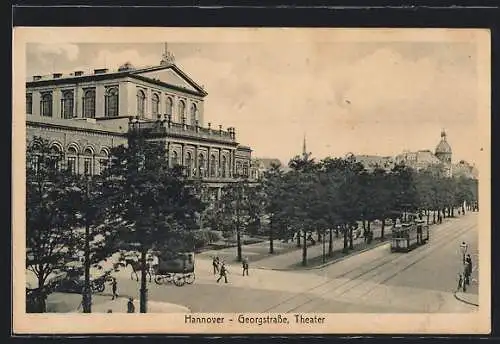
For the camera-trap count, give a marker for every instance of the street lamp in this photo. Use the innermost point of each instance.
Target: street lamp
(463, 250)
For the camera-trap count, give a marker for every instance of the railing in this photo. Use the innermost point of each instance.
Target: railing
(166, 126)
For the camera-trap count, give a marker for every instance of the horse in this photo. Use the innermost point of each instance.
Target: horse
(137, 266)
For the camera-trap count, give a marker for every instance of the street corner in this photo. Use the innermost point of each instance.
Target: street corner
(467, 298)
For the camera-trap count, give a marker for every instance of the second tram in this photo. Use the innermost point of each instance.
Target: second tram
(408, 236)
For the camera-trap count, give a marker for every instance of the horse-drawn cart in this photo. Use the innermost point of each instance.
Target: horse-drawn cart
(177, 269)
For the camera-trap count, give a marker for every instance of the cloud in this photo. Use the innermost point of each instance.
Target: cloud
(114, 59)
(70, 51)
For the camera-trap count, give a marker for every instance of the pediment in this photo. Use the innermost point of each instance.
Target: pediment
(172, 77)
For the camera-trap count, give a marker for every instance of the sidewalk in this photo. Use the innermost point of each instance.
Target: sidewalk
(293, 260)
(468, 298)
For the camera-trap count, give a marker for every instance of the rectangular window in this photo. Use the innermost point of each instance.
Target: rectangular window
(29, 103)
(87, 166)
(35, 163)
(67, 108)
(72, 164)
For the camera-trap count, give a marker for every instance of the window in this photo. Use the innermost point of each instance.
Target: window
(201, 165)
(72, 160)
(29, 103)
(188, 164)
(104, 160)
(238, 168)
(212, 166)
(35, 163)
(111, 102)
(193, 114)
(169, 106)
(182, 110)
(155, 105)
(55, 157)
(87, 162)
(89, 104)
(175, 158)
(141, 103)
(245, 170)
(46, 105)
(224, 162)
(67, 105)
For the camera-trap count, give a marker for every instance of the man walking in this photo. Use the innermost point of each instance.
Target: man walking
(114, 287)
(215, 264)
(223, 272)
(245, 265)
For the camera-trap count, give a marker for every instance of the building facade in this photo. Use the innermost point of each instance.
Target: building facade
(421, 159)
(85, 115)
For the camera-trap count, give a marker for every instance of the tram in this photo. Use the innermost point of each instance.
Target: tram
(410, 235)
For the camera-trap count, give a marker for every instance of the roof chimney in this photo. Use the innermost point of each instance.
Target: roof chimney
(37, 77)
(100, 71)
(78, 73)
(56, 75)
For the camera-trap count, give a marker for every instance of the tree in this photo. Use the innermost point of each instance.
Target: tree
(240, 204)
(273, 189)
(154, 203)
(51, 218)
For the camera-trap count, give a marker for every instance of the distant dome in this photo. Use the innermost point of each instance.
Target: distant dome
(443, 147)
(126, 66)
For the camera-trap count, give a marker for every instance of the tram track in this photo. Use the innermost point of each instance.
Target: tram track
(440, 236)
(422, 255)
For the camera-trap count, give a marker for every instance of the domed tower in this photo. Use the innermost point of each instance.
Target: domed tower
(443, 149)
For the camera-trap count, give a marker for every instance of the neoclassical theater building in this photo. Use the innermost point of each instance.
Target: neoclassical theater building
(84, 115)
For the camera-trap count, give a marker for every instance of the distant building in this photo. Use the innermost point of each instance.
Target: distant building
(85, 115)
(260, 165)
(421, 159)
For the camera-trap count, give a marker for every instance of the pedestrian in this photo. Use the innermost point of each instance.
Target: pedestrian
(245, 265)
(130, 305)
(222, 272)
(460, 281)
(468, 269)
(109, 311)
(215, 264)
(114, 287)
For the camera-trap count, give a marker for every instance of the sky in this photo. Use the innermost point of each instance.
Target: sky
(376, 98)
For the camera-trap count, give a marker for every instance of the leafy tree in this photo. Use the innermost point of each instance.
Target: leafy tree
(240, 205)
(51, 218)
(154, 203)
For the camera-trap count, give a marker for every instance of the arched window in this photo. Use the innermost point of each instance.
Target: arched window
(104, 160)
(188, 163)
(56, 155)
(168, 108)
(71, 160)
(46, 105)
(193, 114)
(67, 105)
(29, 103)
(201, 165)
(111, 102)
(212, 166)
(175, 158)
(182, 110)
(141, 103)
(224, 162)
(87, 162)
(155, 105)
(89, 104)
